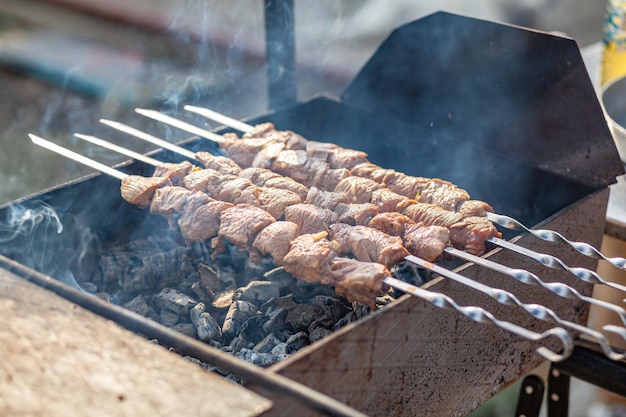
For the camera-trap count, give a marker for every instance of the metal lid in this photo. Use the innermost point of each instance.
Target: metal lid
(522, 93)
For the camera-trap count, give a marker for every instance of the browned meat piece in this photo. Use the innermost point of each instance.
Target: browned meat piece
(391, 223)
(139, 190)
(266, 178)
(169, 201)
(399, 183)
(274, 240)
(368, 245)
(330, 178)
(443, 193)
(310, 218)
(325, 199)
(346, 158)
(248, 195)
(431, 214)
(243, 151)
(275, 200)
(174, 171)
(231, 189)
(364, 169)
(261, 130)
(240, 224)
(267, 130)
(474, 208)
(354, 214)
(470, 234)
(220, 164)
(389, 201)
(320, 150)
(426, 242)
(291, 163)
(356, 280)
(200, 220)
(205, 179)
(310, 256)
(358, 189)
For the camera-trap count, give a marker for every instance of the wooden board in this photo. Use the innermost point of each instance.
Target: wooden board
(412, 358)
(60, 360)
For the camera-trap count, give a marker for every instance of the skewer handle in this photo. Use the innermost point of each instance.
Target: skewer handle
(77, 157)
(220, 118)
(552, 236)
(481, 315)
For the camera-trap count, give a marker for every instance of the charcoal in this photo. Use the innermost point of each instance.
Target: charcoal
(297, 342)
(259, 292)
(202, 292)
(257, 358)
(223, 300)
(175, 301)
(168, 318)
(267, 344)
(318, 330)
(276, 324)
(162, 269)
(385, 299)
(280, 350)
(140, 306)
(238, 313)
(187, 329)
(211, 279)
(334, 308)
(206, 325)
(252, 329)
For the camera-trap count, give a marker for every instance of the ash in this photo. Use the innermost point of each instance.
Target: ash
(257, 312)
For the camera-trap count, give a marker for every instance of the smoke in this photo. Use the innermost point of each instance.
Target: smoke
(25, 221)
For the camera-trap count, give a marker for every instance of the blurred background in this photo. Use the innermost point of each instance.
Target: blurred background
(64, 64)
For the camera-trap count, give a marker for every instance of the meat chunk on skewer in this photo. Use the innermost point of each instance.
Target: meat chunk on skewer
(170, 201)
(310, 218)
(240, 224)
(139, 190)
(426, 242)
(266, 178)
(391, 223)
(369, 245)
(218, 163)
(387, 200)
(474, 208)
(310, 256)
(358, 189)
(356, 214)
(174, 171)
(356, 280)
(432, 214)
(200, 221)
(275, 240)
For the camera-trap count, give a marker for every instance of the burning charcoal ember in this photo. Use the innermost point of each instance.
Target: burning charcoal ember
(297, 342)
(211, 279)
(259, 292)
(317, 331)
(160, 269)
(224, 299)
(207, 327)
(169, 299)
(268, 343)
(310, 218)
(188, 329)
(237, 314)
(256, 358)
(140, 306)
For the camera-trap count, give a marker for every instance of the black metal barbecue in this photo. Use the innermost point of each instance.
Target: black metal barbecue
(507, 113)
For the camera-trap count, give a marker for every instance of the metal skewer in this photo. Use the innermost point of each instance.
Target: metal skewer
(504, 221)
(553, 262)
(475, 313)
(547, 260)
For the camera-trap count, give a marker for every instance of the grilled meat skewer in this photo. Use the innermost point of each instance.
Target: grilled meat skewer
(350, 268)
(504, 221)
